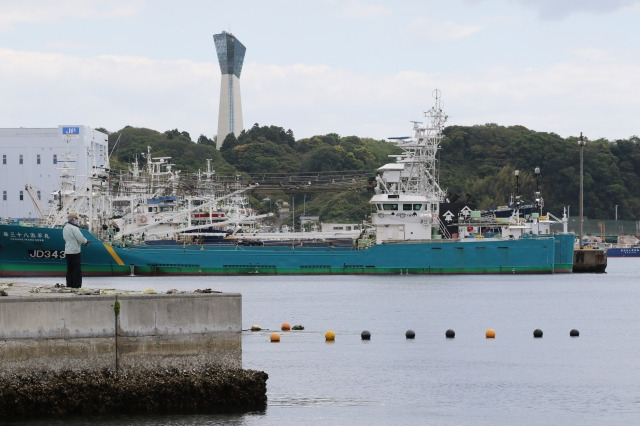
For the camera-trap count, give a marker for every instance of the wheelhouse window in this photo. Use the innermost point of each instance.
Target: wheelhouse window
(410, 207)
(390, 207)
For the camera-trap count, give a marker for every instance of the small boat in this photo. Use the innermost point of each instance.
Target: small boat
(626, 246)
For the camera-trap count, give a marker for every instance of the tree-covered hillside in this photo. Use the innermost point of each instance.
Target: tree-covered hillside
(476, 160)
(481, 159)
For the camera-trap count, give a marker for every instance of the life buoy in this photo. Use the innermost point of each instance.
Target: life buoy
(142, 218)
(469, 228)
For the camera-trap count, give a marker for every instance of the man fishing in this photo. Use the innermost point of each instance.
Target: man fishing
(73, 239)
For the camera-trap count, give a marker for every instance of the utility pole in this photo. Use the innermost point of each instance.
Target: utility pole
(581, 144)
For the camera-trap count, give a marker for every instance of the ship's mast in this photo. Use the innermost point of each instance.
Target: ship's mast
(420, 175)
(407, 195)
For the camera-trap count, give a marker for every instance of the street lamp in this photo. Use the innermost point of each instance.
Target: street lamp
(581, 143)
(517, 173)
(536, 171)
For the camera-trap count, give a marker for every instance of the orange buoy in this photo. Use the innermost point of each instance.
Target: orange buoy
(491, 333)
(275, 337)
(285, 326)
(330, 336)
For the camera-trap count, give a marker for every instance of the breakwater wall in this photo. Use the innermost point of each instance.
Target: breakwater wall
(142, 352)
(120, 332)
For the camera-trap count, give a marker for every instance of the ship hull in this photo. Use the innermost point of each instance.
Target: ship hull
(39, 252)
(33, 251)
(623, 252)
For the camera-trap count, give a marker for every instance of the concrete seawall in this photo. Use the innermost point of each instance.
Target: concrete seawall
(122, 352)
(49, 330)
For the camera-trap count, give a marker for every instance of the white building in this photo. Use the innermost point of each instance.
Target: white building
(34, 158)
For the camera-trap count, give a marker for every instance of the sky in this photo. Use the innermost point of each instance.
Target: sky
(351, 67)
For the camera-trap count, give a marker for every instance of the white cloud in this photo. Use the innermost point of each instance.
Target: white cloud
(14, 12)
(358, 9)
(559, 9)
(428, 30)
(108, 91)
(588, 91)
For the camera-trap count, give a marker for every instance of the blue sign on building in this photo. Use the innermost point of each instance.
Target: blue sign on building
(71, 130)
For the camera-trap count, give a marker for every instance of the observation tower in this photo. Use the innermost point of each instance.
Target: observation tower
(230, 56)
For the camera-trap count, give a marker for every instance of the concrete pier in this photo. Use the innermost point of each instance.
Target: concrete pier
(117, 351)
(53, 329)
(589, 260)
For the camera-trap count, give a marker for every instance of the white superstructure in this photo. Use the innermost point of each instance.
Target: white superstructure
(31, 164)
(407, 193)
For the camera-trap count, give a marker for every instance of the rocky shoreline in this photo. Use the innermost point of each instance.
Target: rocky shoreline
(65, 393)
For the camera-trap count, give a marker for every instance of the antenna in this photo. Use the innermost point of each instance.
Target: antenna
(114, 145)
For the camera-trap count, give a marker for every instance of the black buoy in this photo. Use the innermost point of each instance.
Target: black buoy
(365, 335)
(537, 333)
(574, 333)
(410, 334)
(450, 334)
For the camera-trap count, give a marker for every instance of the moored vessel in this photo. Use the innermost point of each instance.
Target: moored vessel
(625, 246)
(407, 234)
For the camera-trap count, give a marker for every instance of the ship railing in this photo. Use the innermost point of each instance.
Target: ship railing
(485, 221)
(24, 221)
(549, 215)
(443, 229)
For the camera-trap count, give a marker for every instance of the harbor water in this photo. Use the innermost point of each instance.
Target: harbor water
(468, 380)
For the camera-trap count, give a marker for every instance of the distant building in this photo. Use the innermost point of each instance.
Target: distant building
(230, 56)
(34, 158)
